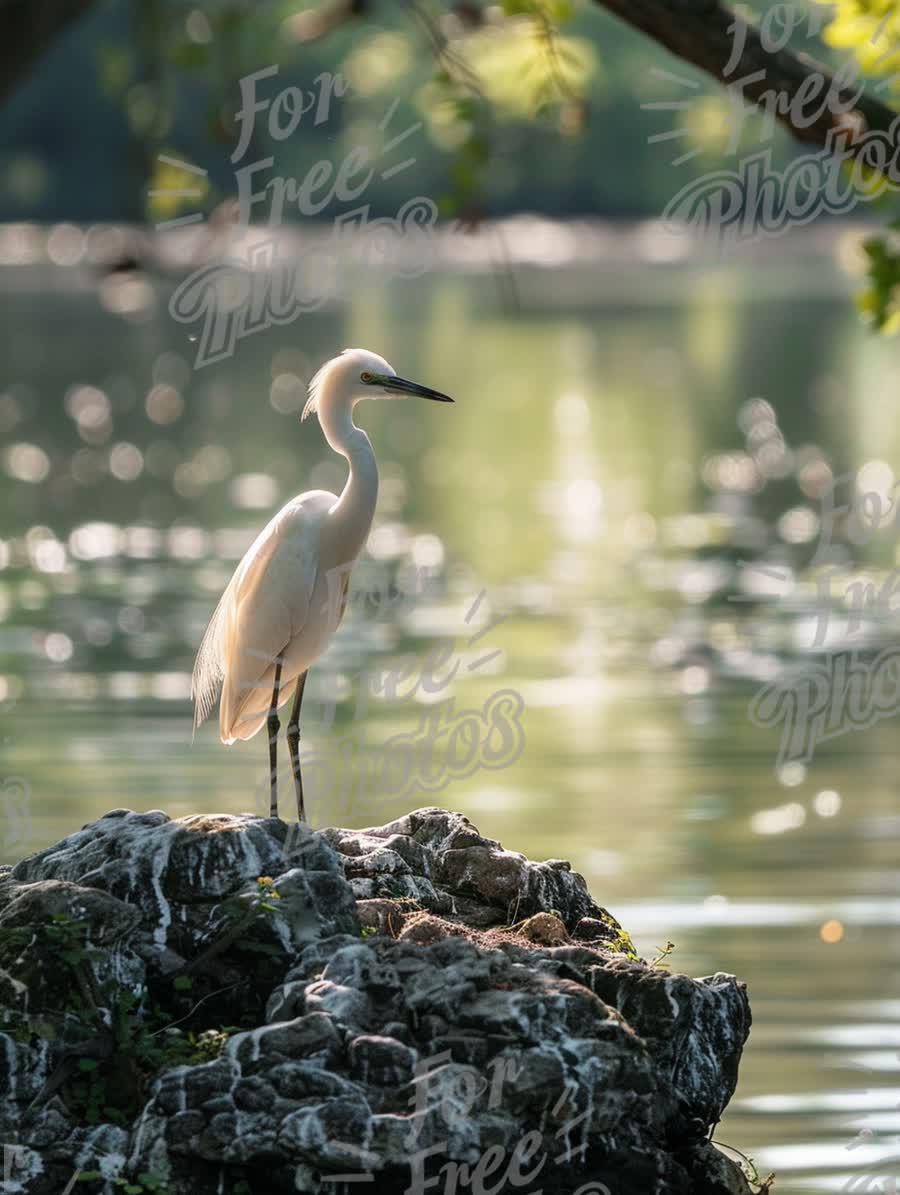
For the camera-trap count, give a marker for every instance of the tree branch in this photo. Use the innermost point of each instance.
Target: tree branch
(29, 27)
(808, 98)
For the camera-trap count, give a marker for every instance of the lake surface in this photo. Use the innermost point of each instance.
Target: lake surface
(608, 538)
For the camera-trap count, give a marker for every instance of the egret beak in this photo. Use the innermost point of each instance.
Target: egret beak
(411, 389)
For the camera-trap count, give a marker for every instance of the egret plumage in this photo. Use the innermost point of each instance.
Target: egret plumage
(288, 594)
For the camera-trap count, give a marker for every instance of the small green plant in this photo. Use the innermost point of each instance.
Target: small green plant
(14, 940)
(126, 1050)
(208, 1045)
(146, 1181)
(107, 1041)
(69, 937)
(664, 952)
(268, 892)
(62, 934)
(761, 1186)
(623, 944)
(368, 931)
(23, 948)
(242, 914)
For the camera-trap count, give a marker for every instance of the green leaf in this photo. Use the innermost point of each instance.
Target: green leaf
(559, 10)
(87, 1064)
(183, 983)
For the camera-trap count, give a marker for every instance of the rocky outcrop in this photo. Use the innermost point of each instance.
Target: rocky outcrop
(231, 1004)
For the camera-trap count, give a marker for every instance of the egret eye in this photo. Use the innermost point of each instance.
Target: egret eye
(366, 376)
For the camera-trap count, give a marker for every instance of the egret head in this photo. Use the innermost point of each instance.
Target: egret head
(357, 374)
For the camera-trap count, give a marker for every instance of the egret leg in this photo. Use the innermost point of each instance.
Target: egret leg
(273, 726)
(293, 738)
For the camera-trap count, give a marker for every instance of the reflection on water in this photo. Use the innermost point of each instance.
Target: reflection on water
(618, 521)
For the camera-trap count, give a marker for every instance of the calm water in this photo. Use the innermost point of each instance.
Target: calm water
(631, 450)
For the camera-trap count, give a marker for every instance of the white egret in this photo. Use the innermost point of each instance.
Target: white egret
(288, 593)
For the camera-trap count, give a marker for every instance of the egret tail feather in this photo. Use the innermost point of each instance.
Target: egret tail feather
(209, 667)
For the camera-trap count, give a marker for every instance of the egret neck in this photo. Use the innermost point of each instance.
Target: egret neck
(351, 516)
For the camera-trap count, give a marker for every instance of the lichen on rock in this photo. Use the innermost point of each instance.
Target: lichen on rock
(232, 1004)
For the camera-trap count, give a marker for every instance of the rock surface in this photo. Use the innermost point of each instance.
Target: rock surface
(231, 1004)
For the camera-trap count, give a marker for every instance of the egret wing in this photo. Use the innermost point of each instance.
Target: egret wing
(263, 608)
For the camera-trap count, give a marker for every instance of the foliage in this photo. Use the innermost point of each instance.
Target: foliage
(487, 82)
(497, 89)
(244, 914)
(760, 1185)
(111, 1042)
(662, 955)
(878, 302)
(622, 944)
(870, 30)
(146, 1181)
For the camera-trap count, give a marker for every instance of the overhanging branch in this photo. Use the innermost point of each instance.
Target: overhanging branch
(794, 87)
(29, 27)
